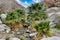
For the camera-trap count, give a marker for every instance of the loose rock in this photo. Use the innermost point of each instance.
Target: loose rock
(3, 16)
(32, 34)
(4, 27)
(51, 38)
(14, 39)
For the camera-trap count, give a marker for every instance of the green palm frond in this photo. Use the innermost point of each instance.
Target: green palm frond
(43, 27)
(14, 16)
(36, 11)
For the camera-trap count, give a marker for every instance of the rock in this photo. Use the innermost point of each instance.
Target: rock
(18, 33)
(9, 35)
(26, 35)
(4, 27)
(28, 31)
(2, 39)
(17, 29)
(53, 16)
(0, 22)
(53, 9)
(6, 35)
(55, 32)
(8, 30)
(14, 39)
(1, 27)
(13, 32)
(32, 34)
(51, 38)
(52, 24)
(3, 16)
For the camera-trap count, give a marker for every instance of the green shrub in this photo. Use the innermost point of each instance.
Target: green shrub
(21, 38)
(57, 27)
(43, 27)
(14, 16)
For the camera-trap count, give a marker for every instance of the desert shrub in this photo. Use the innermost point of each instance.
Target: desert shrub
(14, 16)
(43, 27)
(21, 38)
(57, 27)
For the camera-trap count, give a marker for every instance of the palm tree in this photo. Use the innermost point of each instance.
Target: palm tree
(42, 27)
(14, 18)
(36, 12)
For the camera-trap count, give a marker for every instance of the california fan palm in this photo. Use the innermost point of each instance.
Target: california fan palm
(14, 18)
(36, 12)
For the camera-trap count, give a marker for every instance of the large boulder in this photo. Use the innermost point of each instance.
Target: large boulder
(54, 15)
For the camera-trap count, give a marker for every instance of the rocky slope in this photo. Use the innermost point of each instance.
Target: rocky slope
(7, 5)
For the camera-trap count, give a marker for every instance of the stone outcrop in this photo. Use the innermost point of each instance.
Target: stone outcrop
(54, 15)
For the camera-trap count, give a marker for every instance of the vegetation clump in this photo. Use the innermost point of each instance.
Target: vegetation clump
(57, 27)
(43, 28)
(14, 17)
(37, 12)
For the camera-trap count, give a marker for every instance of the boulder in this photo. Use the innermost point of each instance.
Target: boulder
(14, 39)
(3, 16)
(51, 38)
(4, 27)
(53, 15)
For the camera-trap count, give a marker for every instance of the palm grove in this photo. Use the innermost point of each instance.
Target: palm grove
(17, 17)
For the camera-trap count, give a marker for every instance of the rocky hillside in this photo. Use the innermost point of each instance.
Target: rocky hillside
(7, 5)
(51, 3)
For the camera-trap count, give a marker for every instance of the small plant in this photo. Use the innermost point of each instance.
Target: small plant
(21, 38)
(57, 27)
(43, 28)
